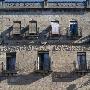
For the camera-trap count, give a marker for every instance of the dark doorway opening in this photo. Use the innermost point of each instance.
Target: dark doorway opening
(10, 61)
(44, 61)
(82, 63)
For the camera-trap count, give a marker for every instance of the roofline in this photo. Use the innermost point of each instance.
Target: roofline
(43, 1)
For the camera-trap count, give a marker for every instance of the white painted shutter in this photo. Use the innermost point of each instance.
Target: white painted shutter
(88, 60)
(55, 27)
(37, 64)
(77, 63)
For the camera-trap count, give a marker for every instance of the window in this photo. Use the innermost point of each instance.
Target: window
(10, 61)
(16, 27)
(43, 61)
(45, 1)
(73, 28)
(82, 63)
(55, 27)
(32, 27)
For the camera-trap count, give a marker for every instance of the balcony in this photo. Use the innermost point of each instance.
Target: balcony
(9, 72)
(75, 35)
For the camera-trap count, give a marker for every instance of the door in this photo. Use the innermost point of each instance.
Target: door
(44, 61)
(82, 63)
(11, 62)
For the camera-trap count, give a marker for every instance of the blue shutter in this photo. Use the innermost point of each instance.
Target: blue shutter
(74, 28)
(82, 62)
(11, 61)
(46, 65)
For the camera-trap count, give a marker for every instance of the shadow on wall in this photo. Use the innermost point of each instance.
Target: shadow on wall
(85, 84)
(7, 35)
(45, 33)
(7, 32)
(24, 79)
(43, 12)
(66, 76)
(72, 87)
(84, 40)
(25, 29)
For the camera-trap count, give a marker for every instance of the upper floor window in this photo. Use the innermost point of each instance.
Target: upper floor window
(16, 27)
(55, 28)
(32, 27)
(73, 28)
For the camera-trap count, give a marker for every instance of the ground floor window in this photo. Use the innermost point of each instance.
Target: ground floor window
(43, 61)
(10, 61)
(82, 63)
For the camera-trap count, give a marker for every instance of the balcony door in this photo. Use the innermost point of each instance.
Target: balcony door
(10, 61)
(82, 63)
(43, 61)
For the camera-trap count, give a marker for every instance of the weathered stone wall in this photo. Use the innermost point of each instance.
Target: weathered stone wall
(62, 60)
(64, 18)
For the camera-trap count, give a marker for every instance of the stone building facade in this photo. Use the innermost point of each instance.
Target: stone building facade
(44, 45)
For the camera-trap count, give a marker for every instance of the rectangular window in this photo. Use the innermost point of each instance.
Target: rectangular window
(82, 63)
(16, 27)
(73, 28)
(43, 61)
(10, 61)
(32, 27)
(55, 27)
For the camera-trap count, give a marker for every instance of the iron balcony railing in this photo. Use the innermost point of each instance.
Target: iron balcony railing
(78, 34)
(6, 72)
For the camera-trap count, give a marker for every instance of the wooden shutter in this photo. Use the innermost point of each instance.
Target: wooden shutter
(81, 58)
(16, 27)
(46, 65)
(32, 27)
